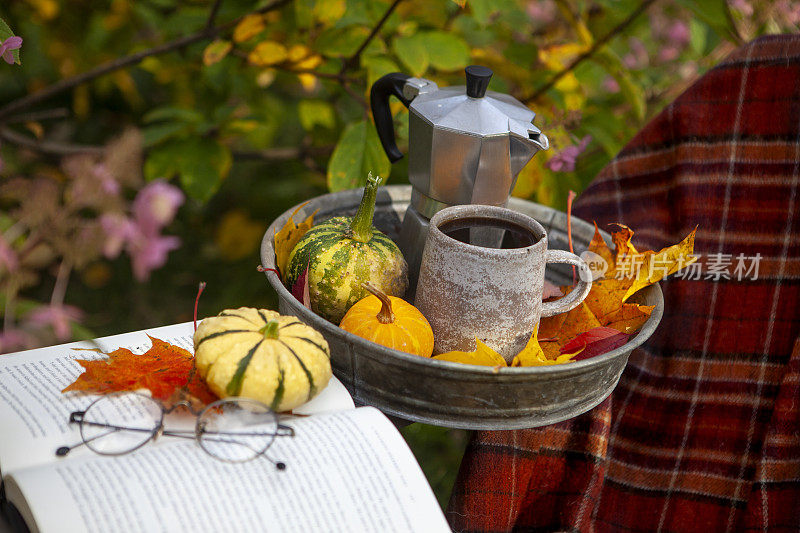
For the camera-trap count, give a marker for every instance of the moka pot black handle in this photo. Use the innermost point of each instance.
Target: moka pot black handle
(389, 85)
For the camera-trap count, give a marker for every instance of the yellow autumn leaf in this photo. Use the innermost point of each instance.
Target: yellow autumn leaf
(308, 81)
(298, 52)
(558, 56)
(657, 265)
(268, 53)
(482, 355)
(533, 355)
(215, 51)
(309, 62)
(288, 236)
(248, 27)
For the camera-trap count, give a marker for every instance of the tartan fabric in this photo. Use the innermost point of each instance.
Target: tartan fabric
(703, 431)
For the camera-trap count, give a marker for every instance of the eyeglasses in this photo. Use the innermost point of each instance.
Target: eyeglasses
(233, 430)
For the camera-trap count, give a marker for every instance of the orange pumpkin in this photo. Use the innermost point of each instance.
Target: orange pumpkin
(389, 321)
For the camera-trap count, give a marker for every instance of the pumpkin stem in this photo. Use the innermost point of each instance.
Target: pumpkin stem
(270, 330)
(361, 225)
(385, 315)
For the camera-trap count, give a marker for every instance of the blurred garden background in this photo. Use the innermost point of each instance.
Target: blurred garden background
(146, 145)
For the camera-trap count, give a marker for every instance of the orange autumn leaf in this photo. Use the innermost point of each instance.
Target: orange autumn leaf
(288, 236)
(162, 369)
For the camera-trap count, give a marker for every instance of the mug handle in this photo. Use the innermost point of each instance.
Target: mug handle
(578, 294)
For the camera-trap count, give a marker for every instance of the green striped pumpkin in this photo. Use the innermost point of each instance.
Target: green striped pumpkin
(259, 354)
(343, 253)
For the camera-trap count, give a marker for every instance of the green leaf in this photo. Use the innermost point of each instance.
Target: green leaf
(340, 42)
(698, 36)
(329, 11)
(5, 33)
(304, 13)
(358, 152)
(412, 52)
(446, 51)
(377, 66)
(157, 133)
(482, 10)
(712, 12)
(201, 163)
(316, 112)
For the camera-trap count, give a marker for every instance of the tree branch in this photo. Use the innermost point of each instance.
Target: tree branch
(117, 64)
(212, 16)
(351, 61)
(48, 147)
(619, 28)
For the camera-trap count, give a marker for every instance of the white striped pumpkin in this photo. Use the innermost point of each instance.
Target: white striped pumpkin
(260, 354)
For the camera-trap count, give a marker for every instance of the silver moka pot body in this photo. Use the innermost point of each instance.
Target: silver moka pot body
(466, 146)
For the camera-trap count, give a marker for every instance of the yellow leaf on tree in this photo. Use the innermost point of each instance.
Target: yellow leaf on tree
(215, 51)
(268, 53)
(288, 236)
(298, 52)
(308, 81)
(482, 355)
(248, 27)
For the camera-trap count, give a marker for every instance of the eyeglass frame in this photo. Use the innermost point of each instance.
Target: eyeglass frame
(76, 417)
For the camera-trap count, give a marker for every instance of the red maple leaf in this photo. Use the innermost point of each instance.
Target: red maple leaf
(163, 369)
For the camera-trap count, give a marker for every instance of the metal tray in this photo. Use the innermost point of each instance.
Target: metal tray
(456, 395)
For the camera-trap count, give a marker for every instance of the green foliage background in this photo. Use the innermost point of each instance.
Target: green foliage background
(262, 112)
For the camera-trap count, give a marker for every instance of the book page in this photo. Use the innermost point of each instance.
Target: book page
(346, 471)
(34, 414)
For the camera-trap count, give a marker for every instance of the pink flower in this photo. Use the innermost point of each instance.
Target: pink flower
(541, 11)
(611, 85)
(8, 257)
(149, 252)
(107, 181)
(13, 339)
(564, 161)
(10, 44)
(57, 316)
(155, 206)
(119, 230)
(638, 56)
(678, 34)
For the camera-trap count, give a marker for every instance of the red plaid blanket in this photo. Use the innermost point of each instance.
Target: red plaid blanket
(703, 431)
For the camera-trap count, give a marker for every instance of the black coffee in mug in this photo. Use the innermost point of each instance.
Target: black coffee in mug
(488, 232)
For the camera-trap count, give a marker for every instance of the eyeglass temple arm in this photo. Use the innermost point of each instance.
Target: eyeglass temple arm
(285, 431)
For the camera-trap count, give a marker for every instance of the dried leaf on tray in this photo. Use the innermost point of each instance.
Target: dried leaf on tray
(482, 355)
(594, 342)
(607, 304)
(288, 236)
(534, 355)
(163, 369)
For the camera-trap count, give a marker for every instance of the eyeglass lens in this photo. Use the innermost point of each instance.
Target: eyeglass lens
(120, 423)
(236, 430)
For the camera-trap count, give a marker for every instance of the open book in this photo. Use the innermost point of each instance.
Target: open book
(347, 469)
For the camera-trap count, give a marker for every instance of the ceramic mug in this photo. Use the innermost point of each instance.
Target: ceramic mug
(470, 288)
